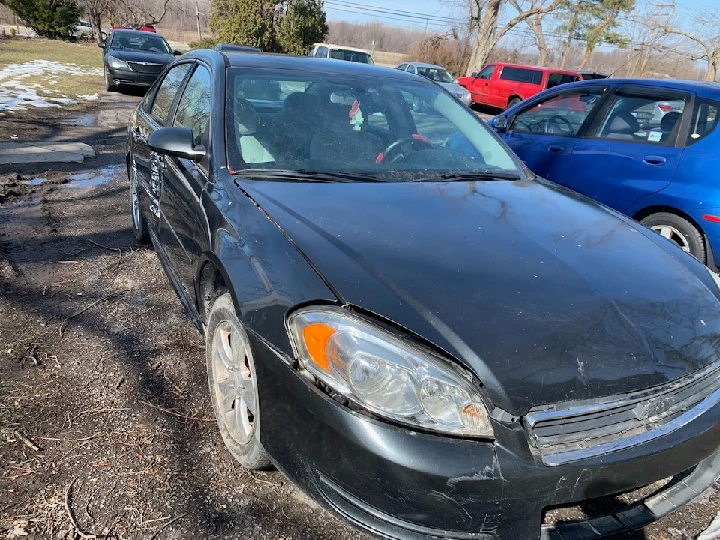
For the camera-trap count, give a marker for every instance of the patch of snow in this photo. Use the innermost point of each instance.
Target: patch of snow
(93, 97)
(713, 531)
(14, 95)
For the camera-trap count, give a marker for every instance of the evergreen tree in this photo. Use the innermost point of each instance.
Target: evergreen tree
(289, 26)
(302, 24)
(48, 18)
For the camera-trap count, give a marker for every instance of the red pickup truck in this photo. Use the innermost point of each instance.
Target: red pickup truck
(503, 85)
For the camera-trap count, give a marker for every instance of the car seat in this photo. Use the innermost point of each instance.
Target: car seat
(246, 129)
(621, 125)
(668, 124)
(296, 124)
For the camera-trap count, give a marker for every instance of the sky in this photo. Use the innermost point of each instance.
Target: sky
(418, 13)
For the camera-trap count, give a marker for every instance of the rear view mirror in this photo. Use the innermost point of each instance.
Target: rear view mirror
(177, 53)
(176, 142)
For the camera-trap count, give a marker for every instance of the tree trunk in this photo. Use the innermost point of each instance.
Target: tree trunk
(713, 66)
(197, 17)
(486, 36)
(568, 43)
(535, 24)
(586, 57)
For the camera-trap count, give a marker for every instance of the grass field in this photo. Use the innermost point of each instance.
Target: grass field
(392, 59)
(76, 68)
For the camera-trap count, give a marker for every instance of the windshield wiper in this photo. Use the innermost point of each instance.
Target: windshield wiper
(472, 175)
(305, 174)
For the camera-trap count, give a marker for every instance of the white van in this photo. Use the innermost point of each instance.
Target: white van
(341, 52)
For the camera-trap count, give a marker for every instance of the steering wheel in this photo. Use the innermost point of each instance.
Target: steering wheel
(562, 125)
(403, 146)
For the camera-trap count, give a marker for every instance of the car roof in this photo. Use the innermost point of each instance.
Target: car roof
(705, 89)
(530, 66)
(129, 32)
(343, 47)
(303, 63)
(424, 64)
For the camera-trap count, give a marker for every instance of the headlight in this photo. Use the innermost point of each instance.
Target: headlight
(116, 63)
(386, 375)
(465, 95)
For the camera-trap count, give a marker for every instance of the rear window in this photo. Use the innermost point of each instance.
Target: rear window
(704, 120)
(530, 76)
(556, 79)
(350, 56)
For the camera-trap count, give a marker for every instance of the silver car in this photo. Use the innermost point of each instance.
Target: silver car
(441, 76)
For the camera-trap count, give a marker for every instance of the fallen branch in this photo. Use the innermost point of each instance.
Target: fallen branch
(74, 523)
(179, 415)
(86, 308)
(167, 525)
(27, 442)
(98, 244)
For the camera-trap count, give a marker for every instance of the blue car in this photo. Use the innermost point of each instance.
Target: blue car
(646, 148)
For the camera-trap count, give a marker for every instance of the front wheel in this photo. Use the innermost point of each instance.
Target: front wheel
(233, 385)
(514, 101)
(109, 84)
(678, 230)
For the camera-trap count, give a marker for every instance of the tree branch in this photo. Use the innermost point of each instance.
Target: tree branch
(523, 15)
(676, 31)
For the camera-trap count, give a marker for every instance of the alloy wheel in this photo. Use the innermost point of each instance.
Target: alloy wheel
(671, 233)
(234, 381)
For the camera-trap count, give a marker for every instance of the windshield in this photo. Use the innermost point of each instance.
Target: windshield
(137, 42)
(351, 56)
(383, 128)
(435, 74)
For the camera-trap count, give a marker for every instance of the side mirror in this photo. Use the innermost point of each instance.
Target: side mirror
(176, 142)
(500, 123)
(177, 53)
(474, 74)
(102, 44)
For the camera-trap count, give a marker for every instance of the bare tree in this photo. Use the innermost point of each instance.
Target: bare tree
(483, 21)
(704, 38)
(536, 25)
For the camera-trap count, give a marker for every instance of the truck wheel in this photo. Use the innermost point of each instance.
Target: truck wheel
(678, 230)
(514, 101)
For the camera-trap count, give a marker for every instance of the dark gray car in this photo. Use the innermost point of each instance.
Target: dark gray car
(135, 58)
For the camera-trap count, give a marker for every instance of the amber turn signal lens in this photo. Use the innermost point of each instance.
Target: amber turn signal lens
(316, 338)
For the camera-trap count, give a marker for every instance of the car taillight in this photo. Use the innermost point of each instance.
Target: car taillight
(664, 107)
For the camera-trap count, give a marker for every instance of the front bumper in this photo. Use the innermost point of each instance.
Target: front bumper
(128, 77)
(402, 484)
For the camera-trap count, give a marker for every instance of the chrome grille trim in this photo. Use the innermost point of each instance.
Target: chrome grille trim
(621, 422)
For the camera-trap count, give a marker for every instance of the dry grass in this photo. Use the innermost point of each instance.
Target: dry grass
(87, 56)
(18, 51)
(392, 59)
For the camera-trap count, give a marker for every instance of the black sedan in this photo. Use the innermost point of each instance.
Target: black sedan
(134, 58)
(431, 342)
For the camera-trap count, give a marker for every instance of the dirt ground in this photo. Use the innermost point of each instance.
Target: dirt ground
(105, 423)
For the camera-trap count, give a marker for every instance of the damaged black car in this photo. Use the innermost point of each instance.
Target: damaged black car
(425, 337)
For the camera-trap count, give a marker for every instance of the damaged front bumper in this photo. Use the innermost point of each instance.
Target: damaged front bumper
(397, 483)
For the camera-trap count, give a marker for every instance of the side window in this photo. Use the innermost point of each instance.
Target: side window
(486, 73)
(322, 52)
(556, 79)
(642, 119)
(530, 76)
(166, 92)
(563, 114)
(193, 111)
(402, 67)
(704, 120)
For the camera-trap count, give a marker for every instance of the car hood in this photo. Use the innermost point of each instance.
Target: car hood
(141, 56)
(453, 88)
(545, 295)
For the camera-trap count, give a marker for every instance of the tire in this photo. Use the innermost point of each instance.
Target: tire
(141, 231)
(514, 101)
(678, 230)
(226, 344)
(109, 84)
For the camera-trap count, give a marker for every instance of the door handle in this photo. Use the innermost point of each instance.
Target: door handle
(654, 160)
(137, 135)
(556, 148)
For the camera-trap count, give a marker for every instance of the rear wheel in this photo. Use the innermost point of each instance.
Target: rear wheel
(678, 230)
(139, 223)
(514, 101)
(233, 385)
